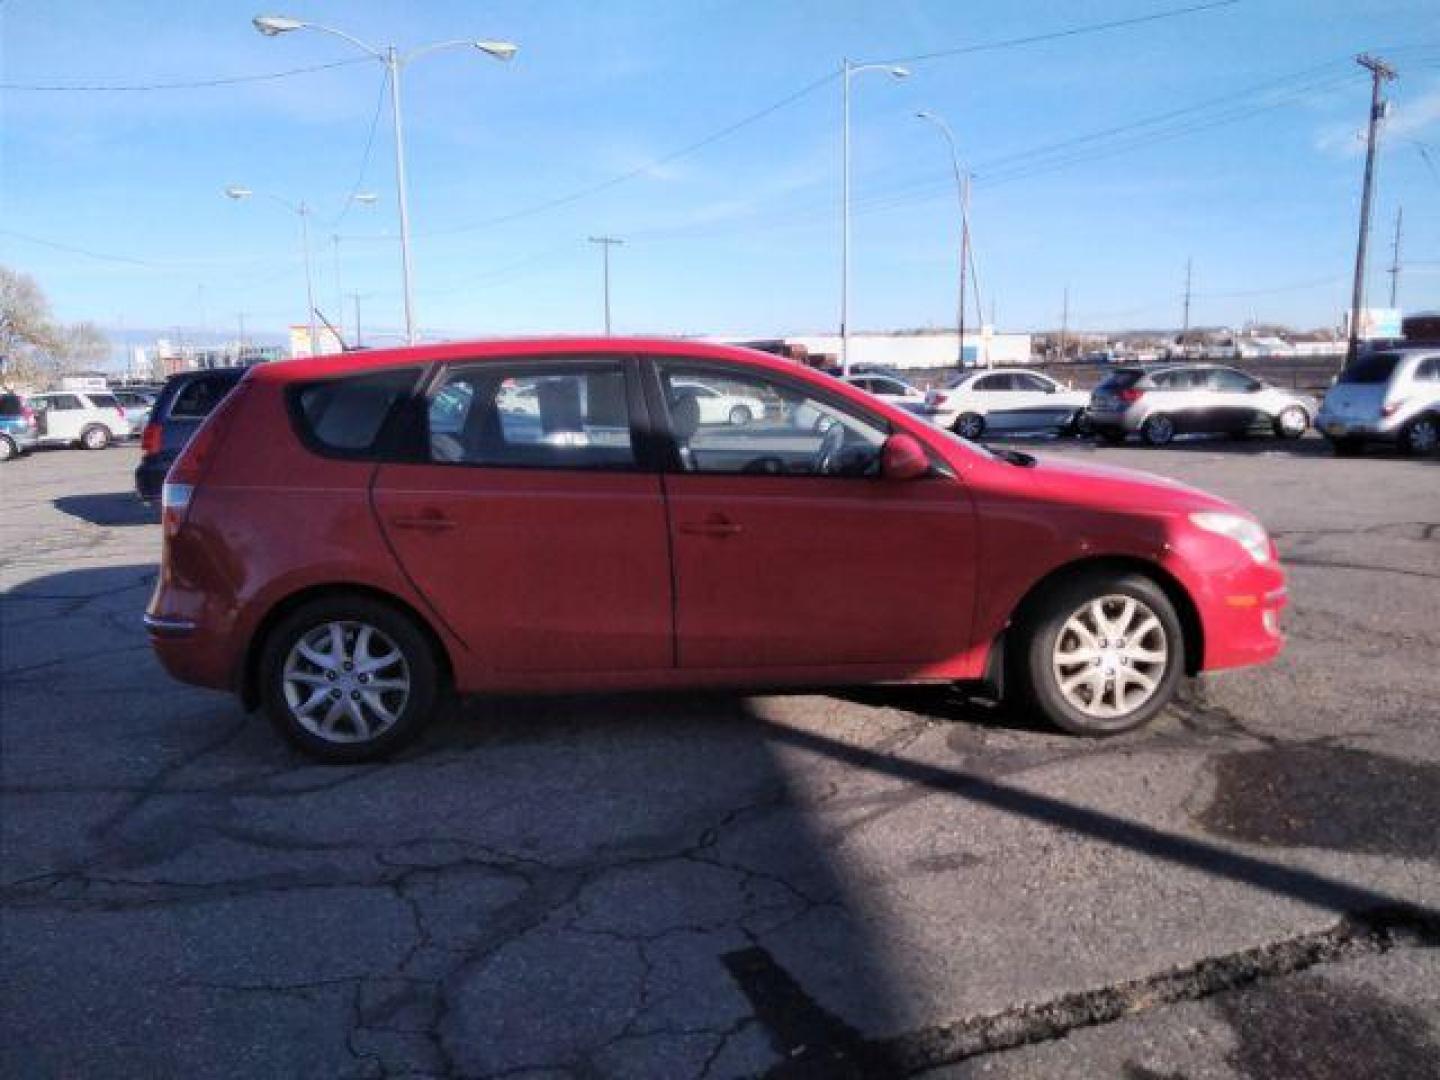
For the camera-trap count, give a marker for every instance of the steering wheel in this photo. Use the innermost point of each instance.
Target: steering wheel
(827, 457)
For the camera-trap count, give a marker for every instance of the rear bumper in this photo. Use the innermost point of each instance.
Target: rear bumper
(24, 440)
(150, 478)
(1333, 427)
(188, 653)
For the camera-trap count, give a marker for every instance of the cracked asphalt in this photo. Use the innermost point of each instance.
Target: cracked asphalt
(879, 882)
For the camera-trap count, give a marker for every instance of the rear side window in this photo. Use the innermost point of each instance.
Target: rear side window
(347, 415)
(1428, 371)
(103, 401)
(1371, 368)
(198, 397)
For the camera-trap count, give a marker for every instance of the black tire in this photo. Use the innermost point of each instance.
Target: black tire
(421, 666)
(8, 449)
(740, 416)
(969, 426)
(1158, 430)
(1287, 426)
(1347, 446)
(1421, 435)
(95, 437)
(1033, 671)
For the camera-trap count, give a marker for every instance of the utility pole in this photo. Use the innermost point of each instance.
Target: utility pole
(240, 341)
(1189, 268)
(1064, 323)
(1380, 73)
(1395, 256)
(606, 243)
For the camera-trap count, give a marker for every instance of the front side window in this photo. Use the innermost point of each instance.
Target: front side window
(557, 416)
(1233, 382)
(993, 382)
(1429, 370)
(753, 424)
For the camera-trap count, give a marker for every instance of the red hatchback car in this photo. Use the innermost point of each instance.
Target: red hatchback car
(349, 539)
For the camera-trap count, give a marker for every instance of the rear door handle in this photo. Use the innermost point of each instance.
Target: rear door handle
(714, 525)
(423, 522)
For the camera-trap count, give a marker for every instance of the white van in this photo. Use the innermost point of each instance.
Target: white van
(91, 418)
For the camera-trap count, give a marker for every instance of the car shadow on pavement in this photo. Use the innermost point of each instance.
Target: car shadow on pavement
(111, 509)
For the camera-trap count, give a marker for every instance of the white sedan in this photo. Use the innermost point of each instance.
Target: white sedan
(1004, 400)
(721, 406)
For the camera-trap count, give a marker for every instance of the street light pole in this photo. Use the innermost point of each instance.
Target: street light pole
(848, 69)
(606, 243)
(237, 192)
(394, 61)
(962, 192)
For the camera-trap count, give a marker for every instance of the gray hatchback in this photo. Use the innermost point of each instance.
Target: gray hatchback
(1161, 401)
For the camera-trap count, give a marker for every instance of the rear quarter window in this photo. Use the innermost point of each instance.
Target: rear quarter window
(347, 415)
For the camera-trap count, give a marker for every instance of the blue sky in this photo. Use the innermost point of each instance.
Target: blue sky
(1259, 188)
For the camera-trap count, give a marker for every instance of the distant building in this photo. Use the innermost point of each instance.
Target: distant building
(905, 350)
(166, 357)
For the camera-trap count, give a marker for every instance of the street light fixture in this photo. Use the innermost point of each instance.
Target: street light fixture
(847, 70)
(394, 61)
(962, 192)
(239, 192)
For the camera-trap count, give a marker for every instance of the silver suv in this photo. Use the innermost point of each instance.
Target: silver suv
(1391, 396)
(1165, 400)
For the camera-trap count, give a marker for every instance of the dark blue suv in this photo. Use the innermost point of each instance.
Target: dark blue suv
(184, 402)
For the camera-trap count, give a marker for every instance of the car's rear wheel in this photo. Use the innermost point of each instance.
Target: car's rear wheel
(1421, 435)
(969, 426)
(8, 449)
(95, 437)
(1291, 422)
(740, 416)
(348, 678)
(1158, 430)
(1102, 653)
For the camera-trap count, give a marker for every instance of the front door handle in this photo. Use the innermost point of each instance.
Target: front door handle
(714, 525)
(431, 522)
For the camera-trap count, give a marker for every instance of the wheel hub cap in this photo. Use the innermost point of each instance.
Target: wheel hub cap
(1110, 657)
(346, 682)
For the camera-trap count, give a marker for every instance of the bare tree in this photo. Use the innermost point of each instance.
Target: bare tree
(34, 348)
(27, 329)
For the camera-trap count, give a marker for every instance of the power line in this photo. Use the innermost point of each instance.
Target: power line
(1055, 35)
(365, 157)
(195, 84)
(806, 90)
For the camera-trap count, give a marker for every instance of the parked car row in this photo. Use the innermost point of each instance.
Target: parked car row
(1390, 396)
(91, 419)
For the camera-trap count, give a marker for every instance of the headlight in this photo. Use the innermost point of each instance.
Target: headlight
(1246, 532)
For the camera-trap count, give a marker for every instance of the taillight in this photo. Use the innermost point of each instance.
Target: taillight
(1391, 408)
(1131, 396)
(120, 412)
(151, 439)
(183, 479)
(27, 415)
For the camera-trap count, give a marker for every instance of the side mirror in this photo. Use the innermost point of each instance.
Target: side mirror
(903, 458)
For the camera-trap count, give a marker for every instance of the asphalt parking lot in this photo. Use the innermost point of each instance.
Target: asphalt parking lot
(884, 882)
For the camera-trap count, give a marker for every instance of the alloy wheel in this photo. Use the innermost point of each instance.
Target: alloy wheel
(1423, 435)
(1110, 657)
(970, 427)
(346, 682)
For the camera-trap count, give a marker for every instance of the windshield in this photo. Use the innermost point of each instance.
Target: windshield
(1371, 369)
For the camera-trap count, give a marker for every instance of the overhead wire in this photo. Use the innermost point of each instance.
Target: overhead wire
(188, 84)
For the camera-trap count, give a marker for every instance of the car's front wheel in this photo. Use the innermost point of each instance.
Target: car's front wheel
(8, 449)
(1291, 422)
(348, 678)
(1102, 653)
